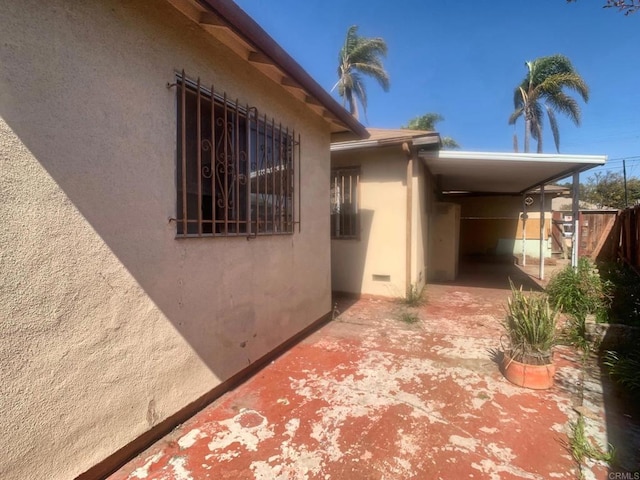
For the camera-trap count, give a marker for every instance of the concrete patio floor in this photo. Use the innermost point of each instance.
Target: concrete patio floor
(369, 396)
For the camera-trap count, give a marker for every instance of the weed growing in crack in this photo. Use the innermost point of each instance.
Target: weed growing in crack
(409, 317)
(581, 448)
(413, 297)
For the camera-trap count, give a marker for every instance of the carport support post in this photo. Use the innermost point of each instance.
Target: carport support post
(409, 218)
(542, 229)
(575, 207)
(524, 230)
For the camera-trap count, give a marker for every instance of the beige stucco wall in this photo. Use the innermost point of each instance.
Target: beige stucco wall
(493, 226)
(109, 323)
(374, 264)
(499, 205)
(423, 201)
(445, 240)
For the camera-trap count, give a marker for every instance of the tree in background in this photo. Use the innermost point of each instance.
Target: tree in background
(607, 190)
(360, 56)
(543, 90)
(626, 6)
(428, 122)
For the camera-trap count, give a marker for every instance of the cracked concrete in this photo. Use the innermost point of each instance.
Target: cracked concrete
(371, 397)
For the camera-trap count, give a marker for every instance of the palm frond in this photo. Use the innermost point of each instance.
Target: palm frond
(350, 41)
(570, 81)
(554, 127)
(519, 96)
(377, 72)
(535, 115)
(516, 115)
(449, 143)
(366, 48)
(566, 105)
(545, 67)
(425, 122)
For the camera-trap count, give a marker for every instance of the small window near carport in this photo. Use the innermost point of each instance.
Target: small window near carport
(344, 202)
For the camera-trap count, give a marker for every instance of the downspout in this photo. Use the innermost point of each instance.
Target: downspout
(524, 230)
(407, 277)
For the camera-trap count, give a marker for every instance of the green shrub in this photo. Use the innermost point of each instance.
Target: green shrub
(625, 293)
(580, 291)
(624, 368)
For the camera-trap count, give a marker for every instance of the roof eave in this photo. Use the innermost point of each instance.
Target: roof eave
(424, 140)
(244, 26)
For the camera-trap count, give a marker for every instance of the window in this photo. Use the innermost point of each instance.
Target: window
(344, 203)
(235, 170)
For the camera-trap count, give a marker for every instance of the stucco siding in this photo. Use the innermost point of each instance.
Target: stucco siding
(111, 324)
(494, 226)
(445, 242)
(374, 264)
(422, 205)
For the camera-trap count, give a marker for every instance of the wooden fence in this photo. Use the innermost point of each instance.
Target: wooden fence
(611, 235)
(629, 244)
(598, 234)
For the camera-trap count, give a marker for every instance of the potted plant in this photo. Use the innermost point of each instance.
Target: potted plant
(531, 331)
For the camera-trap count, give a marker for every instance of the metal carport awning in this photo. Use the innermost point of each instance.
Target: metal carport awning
(507, 173)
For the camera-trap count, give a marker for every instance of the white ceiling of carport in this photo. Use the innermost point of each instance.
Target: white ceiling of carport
(494, 172)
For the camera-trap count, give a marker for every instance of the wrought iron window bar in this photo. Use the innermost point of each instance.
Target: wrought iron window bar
(345, 202)
(237, 171)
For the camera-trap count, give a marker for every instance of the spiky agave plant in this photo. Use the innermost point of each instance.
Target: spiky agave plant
(531, 327)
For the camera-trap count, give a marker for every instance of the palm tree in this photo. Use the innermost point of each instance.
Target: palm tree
(360, 56)
(542, 90)
(428, 122)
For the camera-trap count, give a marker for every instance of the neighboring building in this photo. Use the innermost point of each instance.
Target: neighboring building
(405, 212)
(165, 175)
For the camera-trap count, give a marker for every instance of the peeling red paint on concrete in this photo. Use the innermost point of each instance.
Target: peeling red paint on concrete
(369, 397)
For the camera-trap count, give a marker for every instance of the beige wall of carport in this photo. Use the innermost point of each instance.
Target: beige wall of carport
(493, 225)
(109, 323)
(423, 201)
(361, 266)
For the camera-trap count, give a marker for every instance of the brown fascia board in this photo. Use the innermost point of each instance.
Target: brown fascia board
(428, 142)
(244, 26)
(428, 139)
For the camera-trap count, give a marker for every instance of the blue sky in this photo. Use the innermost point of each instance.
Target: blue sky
(464, 60)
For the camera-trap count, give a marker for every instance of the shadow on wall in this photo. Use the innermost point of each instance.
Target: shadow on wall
(487, 236)
(622, 410)
(348, 258)
(111, 313)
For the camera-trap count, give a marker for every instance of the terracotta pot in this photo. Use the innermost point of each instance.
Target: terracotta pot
(537, 377)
